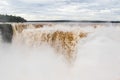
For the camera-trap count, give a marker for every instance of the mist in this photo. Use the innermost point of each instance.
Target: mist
(97, 58)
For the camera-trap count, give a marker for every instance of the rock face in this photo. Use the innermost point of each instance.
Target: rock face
(6, 32)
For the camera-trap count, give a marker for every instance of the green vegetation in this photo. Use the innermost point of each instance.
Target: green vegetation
(10, 18)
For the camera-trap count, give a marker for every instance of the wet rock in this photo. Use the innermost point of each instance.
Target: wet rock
(6, 32)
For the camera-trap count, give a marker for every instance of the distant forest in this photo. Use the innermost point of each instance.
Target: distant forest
(10, 18)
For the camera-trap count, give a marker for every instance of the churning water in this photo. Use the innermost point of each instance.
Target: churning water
(56, 51)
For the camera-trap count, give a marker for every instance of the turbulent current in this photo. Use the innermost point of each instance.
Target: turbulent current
(60, 51)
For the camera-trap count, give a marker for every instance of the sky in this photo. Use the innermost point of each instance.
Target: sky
(62, 9)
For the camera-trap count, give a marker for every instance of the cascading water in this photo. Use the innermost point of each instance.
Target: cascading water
(64, 41)
(59, 51)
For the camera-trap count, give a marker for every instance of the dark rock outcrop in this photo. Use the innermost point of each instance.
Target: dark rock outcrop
(6, 32)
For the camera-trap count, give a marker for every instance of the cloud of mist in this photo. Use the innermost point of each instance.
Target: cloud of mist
(21, 63)
(98, 58)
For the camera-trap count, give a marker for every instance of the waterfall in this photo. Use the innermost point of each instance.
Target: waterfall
(59, 51)
(64, 41)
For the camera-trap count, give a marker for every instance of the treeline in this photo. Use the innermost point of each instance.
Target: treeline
(10, 18)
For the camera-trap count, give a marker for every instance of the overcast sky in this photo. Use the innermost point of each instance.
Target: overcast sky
(62, 9)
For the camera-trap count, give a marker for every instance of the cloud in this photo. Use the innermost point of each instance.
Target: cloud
(42, 1)
(62, 9)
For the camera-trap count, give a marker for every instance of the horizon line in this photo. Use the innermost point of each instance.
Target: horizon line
(111, 21)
